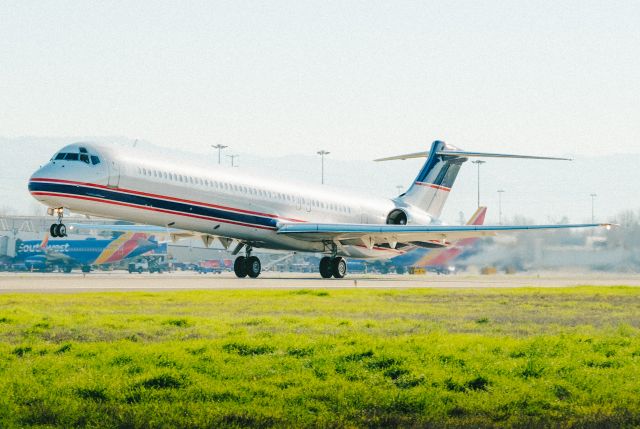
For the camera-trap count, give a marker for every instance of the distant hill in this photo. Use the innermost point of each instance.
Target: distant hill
(540, 190)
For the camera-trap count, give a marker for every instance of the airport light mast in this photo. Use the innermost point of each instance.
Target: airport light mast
(219, 147)
(500, 192)
(233, 159)
(322, 153)
(478, 163)
(593, 213)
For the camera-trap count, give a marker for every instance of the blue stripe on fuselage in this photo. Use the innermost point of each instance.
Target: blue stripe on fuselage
(146, 201)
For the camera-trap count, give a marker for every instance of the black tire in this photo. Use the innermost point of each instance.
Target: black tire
(53, 231)
(339, 267)
(254, 267)
(326, 271)
(86, 269)
(66, 270)
(140, 270)
(61, 230)
(240, 267)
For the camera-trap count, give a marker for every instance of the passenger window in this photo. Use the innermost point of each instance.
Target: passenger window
(95, 160)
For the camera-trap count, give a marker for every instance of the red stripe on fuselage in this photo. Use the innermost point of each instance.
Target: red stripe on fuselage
(180, 200)
(118, 203)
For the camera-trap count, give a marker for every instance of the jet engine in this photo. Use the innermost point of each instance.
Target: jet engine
(408, 216)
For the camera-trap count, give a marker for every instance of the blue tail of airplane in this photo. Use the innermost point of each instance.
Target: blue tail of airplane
(431, 188)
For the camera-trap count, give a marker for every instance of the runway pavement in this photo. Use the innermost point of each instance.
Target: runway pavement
(121, 281)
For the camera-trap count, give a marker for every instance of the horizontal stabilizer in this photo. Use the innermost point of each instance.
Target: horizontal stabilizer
(463, 154)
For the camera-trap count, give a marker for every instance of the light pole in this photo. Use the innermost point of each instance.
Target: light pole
(478, 163)
(322, 153)
(500, 192)
(593, 213)
(219, 147)
(233, 158)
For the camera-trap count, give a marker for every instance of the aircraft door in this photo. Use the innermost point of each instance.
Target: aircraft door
(114, 174)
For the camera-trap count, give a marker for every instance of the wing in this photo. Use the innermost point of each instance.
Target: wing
(392, 234)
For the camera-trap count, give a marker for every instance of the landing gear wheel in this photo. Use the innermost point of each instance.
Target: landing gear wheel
(339, 267)
(240, 267)
(58, 230)
(326, 270)
(253, 266)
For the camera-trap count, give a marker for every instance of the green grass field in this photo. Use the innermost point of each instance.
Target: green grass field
(322, 358)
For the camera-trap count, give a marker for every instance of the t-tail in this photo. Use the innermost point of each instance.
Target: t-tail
(431, 188)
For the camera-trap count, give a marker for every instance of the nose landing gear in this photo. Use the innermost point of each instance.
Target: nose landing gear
(247, 265)
(58, 230)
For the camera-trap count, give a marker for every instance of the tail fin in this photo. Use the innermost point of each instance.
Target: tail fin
(431, 188)
(478, 216)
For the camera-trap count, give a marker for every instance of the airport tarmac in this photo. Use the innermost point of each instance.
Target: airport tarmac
(122, 281)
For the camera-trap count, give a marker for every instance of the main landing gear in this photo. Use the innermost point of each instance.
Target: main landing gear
(58, 230)
(247, 265)
(333, 266)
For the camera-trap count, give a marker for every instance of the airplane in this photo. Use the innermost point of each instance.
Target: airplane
(251, 212)
(69, 254)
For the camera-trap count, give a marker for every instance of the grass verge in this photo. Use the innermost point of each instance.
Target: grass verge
(357, 358)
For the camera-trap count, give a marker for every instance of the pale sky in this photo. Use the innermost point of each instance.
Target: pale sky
(359, 78)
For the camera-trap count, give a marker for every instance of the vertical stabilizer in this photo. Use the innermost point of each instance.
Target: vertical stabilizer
(430, 189)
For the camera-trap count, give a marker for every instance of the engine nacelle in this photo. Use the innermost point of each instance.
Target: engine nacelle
(408, 216)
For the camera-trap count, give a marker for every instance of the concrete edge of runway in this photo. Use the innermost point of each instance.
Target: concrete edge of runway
(124, 282)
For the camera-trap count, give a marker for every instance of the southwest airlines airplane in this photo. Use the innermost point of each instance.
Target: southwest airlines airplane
(260, 213)
(85, 253)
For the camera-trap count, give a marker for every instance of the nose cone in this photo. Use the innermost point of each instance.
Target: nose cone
(39, 182)
(39, 175)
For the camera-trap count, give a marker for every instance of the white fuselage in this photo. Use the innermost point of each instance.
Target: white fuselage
(216, 201)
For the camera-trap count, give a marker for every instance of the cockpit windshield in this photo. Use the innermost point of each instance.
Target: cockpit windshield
(82, 155)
